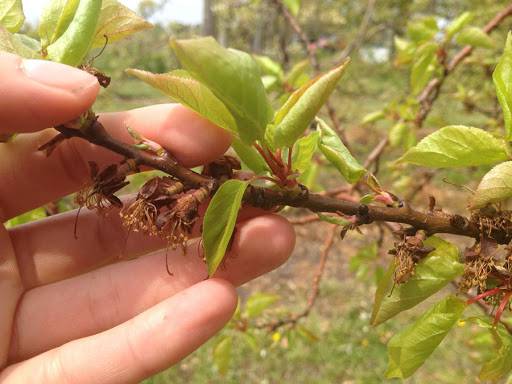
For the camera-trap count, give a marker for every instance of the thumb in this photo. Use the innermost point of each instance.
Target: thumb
(38, 94)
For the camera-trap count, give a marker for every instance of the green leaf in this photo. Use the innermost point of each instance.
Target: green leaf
(423, 66)
(475, 37)
(422, 30)
(117, 22)
(373, 117)
(502, 78)
(501, 364)
(494, 187)
(55, 20)
(333, 220)
(300, 109)
(249, 156)
(364, 255)
(9, 43)
(219, 221)
(11, 15)
(409, 349)
(296, 72)
(307, 334)
(180, 86)
(27, 217)
(308, 178)
(431, 274)
(457, 24)
(29, 42)
(75, 42)
(293, 6)
(269, 66)
(335, 151)
(458, 146)
(234, 77)
(222, 354)
(396, 134)
(270, 82)
(303, 152)
(257, 303)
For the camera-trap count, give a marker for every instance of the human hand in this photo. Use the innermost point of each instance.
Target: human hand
(69, 312)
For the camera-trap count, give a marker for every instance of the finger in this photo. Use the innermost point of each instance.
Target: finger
(139, 348)
(192, 139)
(47, 251)
(99, 300)
(39, 94)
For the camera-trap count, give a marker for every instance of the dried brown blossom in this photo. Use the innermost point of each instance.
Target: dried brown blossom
(479, 264)
(98, 193)
(408, 253)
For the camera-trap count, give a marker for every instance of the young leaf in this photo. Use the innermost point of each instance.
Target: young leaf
(423, 66)
(55, 19)
(307, 334)
(304, 152)
(501, 364)
(222, 354)
(269, 66)
(458, 146)
(457, 24)
(502, 78)
(494, 187)
(422, 30)
(9, 43)
(373, 117)
(294, 117)
(29, 42)
(333, 220)
(180, 86)
(234, 77)
(75, 42)
(249, 156)
(11, 15)
(293, 6)
(431, 274)
(396, 134)
(296, 72)
(409, 349)
(475, 37)
(117, 22)
(257, 303)
(335, 151)
(219, 221)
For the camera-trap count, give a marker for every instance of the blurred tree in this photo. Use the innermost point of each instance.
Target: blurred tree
(209, 22)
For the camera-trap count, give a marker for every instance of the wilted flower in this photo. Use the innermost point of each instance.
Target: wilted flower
(98, 193)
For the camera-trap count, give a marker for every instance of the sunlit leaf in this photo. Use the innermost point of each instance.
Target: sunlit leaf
(219, 221)
(269, 66)
(300, 109)
(11, 15)
(494, 187)
(55, 19)
(396, 134)
(457, 24)
(29, 42)
(501, 364)
(335, 151)
(422, 30)
(502, 78)
(458, 146)
(293, 6)
(74, 44)
(234, 77)
(431, 274)
(303, 152)
(409, 349)
(180, 86)
(475, 37)
(373, 117)
(117, 22)
(258, 302)
(249, 156)
(296, 72)
(222, 354)
(9, 43)
(423, 66)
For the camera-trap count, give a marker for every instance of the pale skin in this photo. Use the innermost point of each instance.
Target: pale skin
(69, 311)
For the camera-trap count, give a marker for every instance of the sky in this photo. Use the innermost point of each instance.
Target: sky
(183, 11)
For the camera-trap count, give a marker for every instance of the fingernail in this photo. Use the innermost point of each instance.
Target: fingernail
(58, 75)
